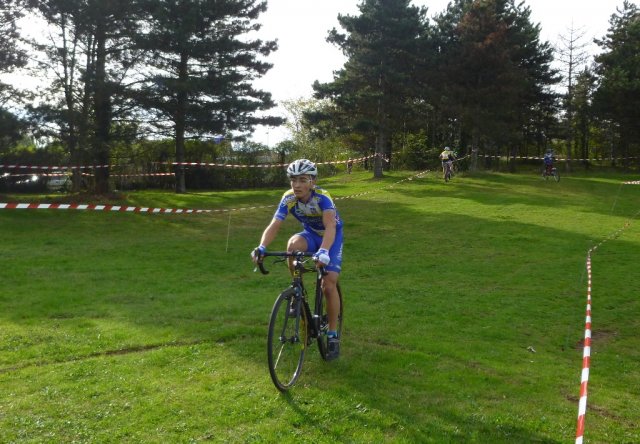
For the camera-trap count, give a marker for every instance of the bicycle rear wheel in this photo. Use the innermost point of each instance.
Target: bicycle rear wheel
(287, 341)
(321, 307)
(556, 175)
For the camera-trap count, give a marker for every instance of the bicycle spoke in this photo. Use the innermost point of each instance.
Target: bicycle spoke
(279, 354)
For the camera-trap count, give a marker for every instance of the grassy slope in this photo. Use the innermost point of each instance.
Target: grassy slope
(125, 327)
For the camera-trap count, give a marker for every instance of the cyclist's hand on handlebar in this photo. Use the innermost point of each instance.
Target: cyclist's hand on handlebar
(322, 256)
(258, 253)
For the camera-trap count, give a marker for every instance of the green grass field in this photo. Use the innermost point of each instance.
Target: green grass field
(464, 317)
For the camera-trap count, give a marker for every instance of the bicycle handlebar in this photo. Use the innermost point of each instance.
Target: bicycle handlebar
(285, 254)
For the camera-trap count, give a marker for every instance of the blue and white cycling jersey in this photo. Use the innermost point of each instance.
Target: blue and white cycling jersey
(310, 213)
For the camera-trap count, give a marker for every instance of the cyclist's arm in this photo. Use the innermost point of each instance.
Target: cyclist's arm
(270, 232)
(329, 221)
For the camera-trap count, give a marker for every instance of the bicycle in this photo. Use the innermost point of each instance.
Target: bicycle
(292, 325)
(553, 172)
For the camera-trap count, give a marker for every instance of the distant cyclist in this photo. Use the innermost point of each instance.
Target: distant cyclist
(447, 156)
(548, 159)
(322, 234)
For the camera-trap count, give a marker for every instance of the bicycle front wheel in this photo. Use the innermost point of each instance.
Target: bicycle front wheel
(287, 340)
(556, 176)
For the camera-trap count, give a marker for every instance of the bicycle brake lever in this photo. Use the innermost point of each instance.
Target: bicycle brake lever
(262, 269)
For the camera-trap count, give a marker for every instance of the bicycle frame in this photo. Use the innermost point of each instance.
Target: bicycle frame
(299, 292)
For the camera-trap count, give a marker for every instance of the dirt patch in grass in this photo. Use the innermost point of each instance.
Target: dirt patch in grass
(599, 337)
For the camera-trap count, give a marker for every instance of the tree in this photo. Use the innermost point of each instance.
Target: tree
(493, 71)
(11, 130)
(201, 69)
(583, 116)
(618, 67)
(373, 91)
(111, 27)
(572, 56)
(61, 58)
(313, 133)
(11, 55)
(88, 53)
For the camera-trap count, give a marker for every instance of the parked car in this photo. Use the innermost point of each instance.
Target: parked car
(59, 183)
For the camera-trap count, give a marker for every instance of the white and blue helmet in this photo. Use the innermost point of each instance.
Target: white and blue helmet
(300, 167)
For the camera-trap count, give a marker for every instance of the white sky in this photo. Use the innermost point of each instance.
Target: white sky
(301, 28)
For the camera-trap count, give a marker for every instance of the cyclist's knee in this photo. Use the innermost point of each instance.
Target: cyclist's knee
(330, 282)
(297, 243)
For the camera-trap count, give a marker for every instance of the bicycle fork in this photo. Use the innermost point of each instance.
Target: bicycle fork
(296, 300)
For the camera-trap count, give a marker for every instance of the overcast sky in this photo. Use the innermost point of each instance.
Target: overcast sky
(301, 28)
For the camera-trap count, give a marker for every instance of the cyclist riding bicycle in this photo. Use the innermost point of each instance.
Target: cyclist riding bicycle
(322, 234)
(447, 156)
(548, 160)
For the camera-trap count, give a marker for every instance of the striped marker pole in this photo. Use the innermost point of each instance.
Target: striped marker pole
(586, 359)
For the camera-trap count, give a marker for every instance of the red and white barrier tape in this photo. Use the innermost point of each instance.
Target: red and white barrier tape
(51, 167)
(586, 360)
(273, 165)
(144, 175)
(419, 175)
(92, 207)
(198, 164)
(87, 174)
(262, 165)
(557, 158)
(34, 174)
(118, 208)
(586, 354)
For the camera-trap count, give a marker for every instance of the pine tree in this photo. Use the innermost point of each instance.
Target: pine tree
(11, 55)
(201, 68)
(618, 95)
(493, 71)
(373, 91)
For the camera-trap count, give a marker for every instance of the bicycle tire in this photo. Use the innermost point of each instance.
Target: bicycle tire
(556, 176)
(321, 307)
(286, 342)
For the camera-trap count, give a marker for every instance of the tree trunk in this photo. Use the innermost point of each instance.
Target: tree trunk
(378, 159)
(102, 108)
(68, 65)
(474, 150)
(181, 110)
